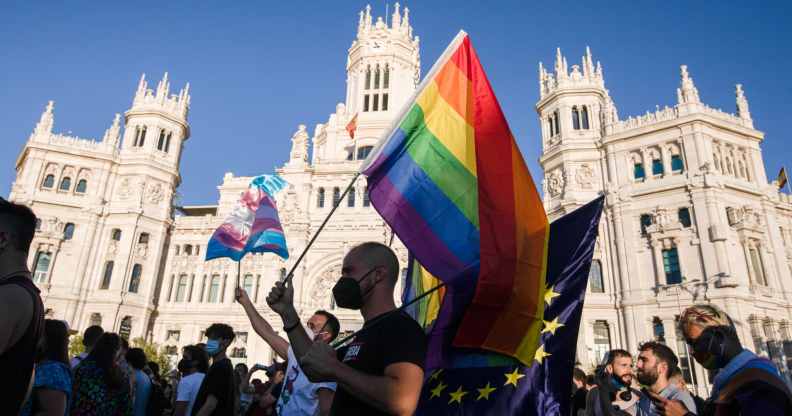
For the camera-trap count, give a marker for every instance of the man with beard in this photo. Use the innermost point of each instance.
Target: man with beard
(613, 394)
(655, 363)
(745, 383)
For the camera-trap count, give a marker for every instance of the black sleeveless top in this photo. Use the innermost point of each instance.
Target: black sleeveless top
(17, 363)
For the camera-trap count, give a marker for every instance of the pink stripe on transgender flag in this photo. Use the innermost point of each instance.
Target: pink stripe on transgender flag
(391, 204)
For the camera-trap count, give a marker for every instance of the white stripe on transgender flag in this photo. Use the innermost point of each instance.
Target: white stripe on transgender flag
(253, 226)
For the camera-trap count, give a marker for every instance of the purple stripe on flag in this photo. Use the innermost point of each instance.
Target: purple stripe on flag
(405, 221)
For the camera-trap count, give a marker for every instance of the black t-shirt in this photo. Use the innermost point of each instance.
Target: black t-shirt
(219, 382)
(397, 338)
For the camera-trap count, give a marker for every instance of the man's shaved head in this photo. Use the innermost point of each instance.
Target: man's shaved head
(373, 255)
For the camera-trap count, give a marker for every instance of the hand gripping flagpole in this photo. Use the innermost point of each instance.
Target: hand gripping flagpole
(290, 275)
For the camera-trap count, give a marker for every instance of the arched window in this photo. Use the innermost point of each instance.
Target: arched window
(68, 231)
(368, 77)
(41, 270)
(320, 198)
(658, 330)
(247, 284)
(82, 185)
(134, 280)
(126, 327)
(386, 78)
(65, 183)
(575, 118)
(595, 277)
(671, 266)
(181, 288)
(676, 164)
(167, 142)
(639, 173)
(351, 198)
(115, 234)
(363, 152)
(188, 250)
(161, 140)
(49, 181)
(144, 238)
(197, 249)
(584, 118)
(96, 319)
(366, 200)
(336, 196)
(377, 78)
(108, 274)
(657, 166)
(141, 137)
(550, 126)
(214, 289)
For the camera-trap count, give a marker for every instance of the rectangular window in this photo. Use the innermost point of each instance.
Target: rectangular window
(247, 284)
(108, 274)
(214, 289)
(385, 102)
(646, 221)
(336, 196)
(671, 266)
(161, 140)
(366, 200)
(351, 198)
(638, 171)
(657, 167)
(375, 107)
(174, 335)
(366, 102)
(602, 341)
(676, 163)
(181, 288)
(42, 267)
(758, 268)
(595, 277)
(684, 217)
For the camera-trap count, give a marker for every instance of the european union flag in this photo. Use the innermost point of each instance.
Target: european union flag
(498, 385)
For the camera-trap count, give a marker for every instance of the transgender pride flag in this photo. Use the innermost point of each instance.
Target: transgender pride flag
(253, 226)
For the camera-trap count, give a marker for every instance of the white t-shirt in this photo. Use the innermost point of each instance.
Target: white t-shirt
(188, 389)
(299, 395)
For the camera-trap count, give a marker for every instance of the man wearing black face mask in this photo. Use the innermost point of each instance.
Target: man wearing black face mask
(379, 372)
(745, 384)
(193, 367)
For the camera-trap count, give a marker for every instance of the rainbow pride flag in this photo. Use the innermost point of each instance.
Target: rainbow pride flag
(253, 226)
(449, 179)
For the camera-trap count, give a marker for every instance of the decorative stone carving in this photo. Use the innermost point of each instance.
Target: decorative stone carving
(125, 189)
(555, 182)
(744, 217)
(155, 193)
(585, 176)
(323, 287)
(299, 150)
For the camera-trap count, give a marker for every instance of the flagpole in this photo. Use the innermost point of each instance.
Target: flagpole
(239, 267)
(787, 182)
(321, 227)
(338, 344)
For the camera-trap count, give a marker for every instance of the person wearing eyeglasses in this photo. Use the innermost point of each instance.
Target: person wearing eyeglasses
(745, 384)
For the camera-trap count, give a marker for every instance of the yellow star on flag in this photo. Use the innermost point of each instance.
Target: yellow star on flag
(551, 326)
(541, 354)
(485, 391)
(435, 374)
(456, 396)
(550, 294)
(511, 378)
(438, 390)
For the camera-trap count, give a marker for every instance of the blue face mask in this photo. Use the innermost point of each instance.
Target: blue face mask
(212, 346)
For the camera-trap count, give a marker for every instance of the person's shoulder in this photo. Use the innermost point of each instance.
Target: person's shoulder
(403, 322)
(17, 300)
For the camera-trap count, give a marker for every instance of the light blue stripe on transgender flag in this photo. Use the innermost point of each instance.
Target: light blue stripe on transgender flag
(268, 241)
(269, 183)
(442, 216)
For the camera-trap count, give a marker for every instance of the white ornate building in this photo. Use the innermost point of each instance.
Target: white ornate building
(110, 250)
(690, 215)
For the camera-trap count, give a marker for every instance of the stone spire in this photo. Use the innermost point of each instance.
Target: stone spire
(396, 17)
(46, 121)
(112, 134)
(742, 103)
(161, 100)
(687, 92)
(585, 75)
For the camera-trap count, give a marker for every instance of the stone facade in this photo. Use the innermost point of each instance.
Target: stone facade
(690, 215)
(178, 294)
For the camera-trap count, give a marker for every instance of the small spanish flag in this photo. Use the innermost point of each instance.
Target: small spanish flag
(782, 178)
(352, 126)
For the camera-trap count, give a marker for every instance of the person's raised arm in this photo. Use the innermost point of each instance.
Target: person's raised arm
(281, 300)
(396, 392)
(261, 326)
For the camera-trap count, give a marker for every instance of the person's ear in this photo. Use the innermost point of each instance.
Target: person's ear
(609, 368)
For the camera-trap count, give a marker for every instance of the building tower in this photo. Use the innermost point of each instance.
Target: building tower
(574, 108)
(139, 208)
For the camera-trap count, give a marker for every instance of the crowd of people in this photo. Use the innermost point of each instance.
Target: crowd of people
(378, 372)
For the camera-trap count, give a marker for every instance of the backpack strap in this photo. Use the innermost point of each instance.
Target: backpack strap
(747, 376)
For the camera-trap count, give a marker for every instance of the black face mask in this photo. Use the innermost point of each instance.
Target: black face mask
(715, 347)
(347, 293)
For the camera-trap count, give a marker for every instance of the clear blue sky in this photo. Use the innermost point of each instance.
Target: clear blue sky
(258, 69)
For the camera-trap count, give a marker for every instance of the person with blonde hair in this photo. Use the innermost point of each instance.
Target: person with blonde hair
(745, 384)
